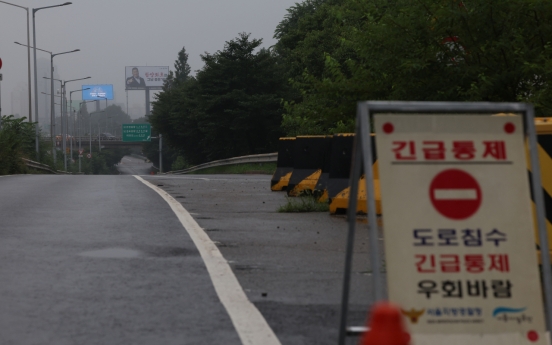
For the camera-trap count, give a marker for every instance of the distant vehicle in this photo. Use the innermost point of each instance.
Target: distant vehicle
(107, 136)
(68, 137)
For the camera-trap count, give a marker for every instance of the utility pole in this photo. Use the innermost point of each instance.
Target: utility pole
(160, 153)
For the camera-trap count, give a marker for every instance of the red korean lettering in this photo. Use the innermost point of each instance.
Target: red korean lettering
(474, 263)
(463, 150)
(430, 263)
(408, 146)
(434, 150)
(499, 262)
(450, 263)
(495, 149)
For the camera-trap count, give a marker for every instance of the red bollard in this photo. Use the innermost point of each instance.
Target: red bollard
(386, 327)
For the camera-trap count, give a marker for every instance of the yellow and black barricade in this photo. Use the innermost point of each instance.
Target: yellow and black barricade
(284, 166)
(338, 183)
(322, 185)
(309, 155)
(544, 138)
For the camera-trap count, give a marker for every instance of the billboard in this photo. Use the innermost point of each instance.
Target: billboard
(96, 92)
(142, 77)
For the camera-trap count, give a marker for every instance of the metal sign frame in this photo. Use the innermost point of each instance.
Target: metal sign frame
(362, 155)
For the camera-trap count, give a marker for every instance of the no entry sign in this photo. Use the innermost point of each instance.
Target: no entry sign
(455, 194)
(458, 228)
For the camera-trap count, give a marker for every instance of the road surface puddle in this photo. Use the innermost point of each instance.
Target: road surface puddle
(112, 253)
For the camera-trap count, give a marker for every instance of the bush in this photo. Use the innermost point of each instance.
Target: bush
(17, 139)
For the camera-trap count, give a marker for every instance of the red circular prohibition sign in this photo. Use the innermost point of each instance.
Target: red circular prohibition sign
(455, 194)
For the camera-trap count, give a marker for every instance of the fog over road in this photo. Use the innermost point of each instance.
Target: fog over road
(131, 165)
(104, 260)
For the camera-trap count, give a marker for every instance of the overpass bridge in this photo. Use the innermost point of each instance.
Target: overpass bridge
(85, 140)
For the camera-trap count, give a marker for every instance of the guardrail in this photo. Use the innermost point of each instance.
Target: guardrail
(43, 167)
(262, 158)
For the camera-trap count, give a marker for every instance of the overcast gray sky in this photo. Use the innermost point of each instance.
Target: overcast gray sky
(112, 34)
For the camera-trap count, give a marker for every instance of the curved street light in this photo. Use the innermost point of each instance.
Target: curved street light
(52, 87)
(35, 71)
(52, 116)
(90, 130)
(67, 119)
(64, 113)
(104, 109)
(80, 134)
(71, 109)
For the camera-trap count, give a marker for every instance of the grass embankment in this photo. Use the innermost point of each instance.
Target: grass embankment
(307, 201)
(249, 168)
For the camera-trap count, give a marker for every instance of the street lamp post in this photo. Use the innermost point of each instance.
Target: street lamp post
(35, 71)
(53, 128)
(28, 59)
(52, 119)
(67, 117)
(99, 119)
(90, 129)
(60, 105)
(64, 113)
(61, 101)
(53, 122)
(80, 134)
(71, 105)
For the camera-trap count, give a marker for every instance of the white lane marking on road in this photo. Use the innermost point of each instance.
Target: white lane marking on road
(250, 324)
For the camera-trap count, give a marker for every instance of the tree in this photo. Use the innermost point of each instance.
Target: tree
(232, 107)
(448, 50)
(182, 69)
(239, 92)
(114, 119)
(293, 33)
(17, 139)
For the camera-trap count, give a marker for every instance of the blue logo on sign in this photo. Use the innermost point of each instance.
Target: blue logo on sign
(506, 310)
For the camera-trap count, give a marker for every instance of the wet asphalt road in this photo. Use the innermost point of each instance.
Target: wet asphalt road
(103, 260)
(64, 280)
(290, 265)
(132, 165)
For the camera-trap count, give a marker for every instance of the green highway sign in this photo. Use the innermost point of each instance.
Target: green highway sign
(136, 132)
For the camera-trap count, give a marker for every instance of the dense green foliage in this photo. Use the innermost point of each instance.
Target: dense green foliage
(232, 107)
(332, 53)
(17, 141)
(101, 163)
(343, 51)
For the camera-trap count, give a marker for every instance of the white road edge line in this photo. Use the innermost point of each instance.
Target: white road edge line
(250, 324)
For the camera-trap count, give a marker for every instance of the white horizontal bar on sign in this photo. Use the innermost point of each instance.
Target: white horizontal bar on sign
(455, 194)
